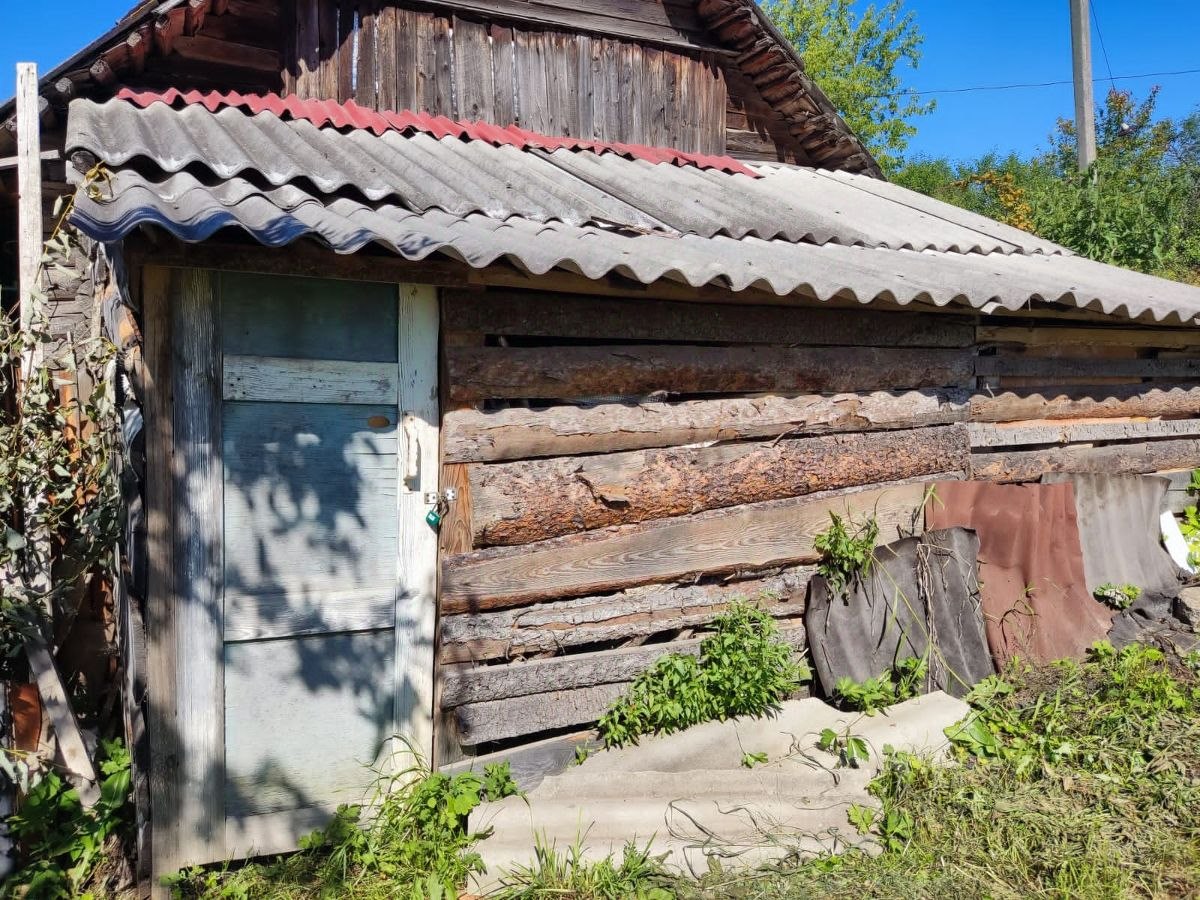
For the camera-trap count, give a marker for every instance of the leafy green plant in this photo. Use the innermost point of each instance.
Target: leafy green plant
(1118, 596)
(62, 841)
(409, 840)
(59, 496)
(905, 681)
(1190, 527)
(847, 550)
(909, 675)
(744, 669)
(850, 749)
(750, 760)
(868, 696)
(861, 817)
(553, 874)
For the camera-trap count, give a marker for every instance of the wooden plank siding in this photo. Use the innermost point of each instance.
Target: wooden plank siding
(635, 464)
(631, 72)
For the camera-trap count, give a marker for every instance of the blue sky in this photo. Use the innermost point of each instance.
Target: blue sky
(967, 43)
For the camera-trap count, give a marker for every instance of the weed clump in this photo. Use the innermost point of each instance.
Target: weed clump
(847, 550)
(410, 840)
(1118, 596)
(569, 873)
(1081, 779)
(744, 669)
(903, 682)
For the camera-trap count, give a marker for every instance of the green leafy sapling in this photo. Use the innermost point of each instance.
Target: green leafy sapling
(847, 550)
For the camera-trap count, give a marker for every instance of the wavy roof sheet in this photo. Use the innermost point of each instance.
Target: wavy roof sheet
(194, 171)
(322, 113)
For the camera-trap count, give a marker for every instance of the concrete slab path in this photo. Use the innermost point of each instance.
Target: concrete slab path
(690, 795)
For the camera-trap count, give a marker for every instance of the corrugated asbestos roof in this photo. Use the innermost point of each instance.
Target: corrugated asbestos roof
(194, 171)
(322, 113)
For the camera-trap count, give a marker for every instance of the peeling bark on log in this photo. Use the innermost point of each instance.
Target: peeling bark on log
(1116, 459)
(540, 314)
(480, 373)
(637, 612)
(472, 436)
(1091, 401)
(759, 535)
(479, 684)
(523, 502)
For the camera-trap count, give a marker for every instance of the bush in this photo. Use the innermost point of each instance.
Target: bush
(744, 669)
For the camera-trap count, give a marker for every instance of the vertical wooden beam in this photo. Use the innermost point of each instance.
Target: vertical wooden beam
(456, 536)
(30, 246)
(416, 605)
(29, 207)
(199, 563)
(185, 627)
(157, 403)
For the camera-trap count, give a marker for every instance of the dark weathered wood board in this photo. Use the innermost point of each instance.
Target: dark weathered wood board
(494, 720)
(642, 369)
(1114, 459)
(759, 535)
(1036, 367)
(503, 61)
(531, 500)
(577, 316)
(478, 684)
(636, 613)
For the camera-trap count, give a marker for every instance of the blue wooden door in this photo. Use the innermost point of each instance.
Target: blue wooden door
(327, 572)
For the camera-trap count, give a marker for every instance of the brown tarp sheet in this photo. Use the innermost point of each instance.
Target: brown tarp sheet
(1036, 602)
(918, 589)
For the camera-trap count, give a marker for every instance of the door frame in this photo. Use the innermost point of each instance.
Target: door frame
(183, 394)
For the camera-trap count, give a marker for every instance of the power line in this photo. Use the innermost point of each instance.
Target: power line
(1034, 84)
(1103, 49)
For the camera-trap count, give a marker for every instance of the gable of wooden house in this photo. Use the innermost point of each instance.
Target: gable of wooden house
(491, 349)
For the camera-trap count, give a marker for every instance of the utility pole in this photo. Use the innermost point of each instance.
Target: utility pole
(1081, 60)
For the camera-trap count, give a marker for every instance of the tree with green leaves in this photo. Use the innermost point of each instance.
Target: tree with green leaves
(1137, 207)
(858, 59)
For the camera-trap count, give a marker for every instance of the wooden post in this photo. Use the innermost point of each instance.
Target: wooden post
(29, 206)
(30, 242)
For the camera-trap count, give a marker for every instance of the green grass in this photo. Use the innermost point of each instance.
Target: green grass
(1076, 781)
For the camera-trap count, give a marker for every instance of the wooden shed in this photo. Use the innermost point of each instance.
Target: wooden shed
(487, 350)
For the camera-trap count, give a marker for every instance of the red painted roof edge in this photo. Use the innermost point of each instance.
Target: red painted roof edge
(331, 114)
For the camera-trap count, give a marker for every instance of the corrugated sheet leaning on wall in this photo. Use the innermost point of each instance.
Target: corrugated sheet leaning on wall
(1031, 575)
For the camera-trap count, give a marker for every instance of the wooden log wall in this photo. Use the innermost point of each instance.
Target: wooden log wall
(656, 83)
(627, 467)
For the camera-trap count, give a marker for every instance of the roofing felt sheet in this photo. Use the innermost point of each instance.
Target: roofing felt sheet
(1036, 602)
(193, 172)
(1119, 530)
(919, 591)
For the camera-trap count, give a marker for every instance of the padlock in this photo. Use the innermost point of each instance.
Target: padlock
(433, 518)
